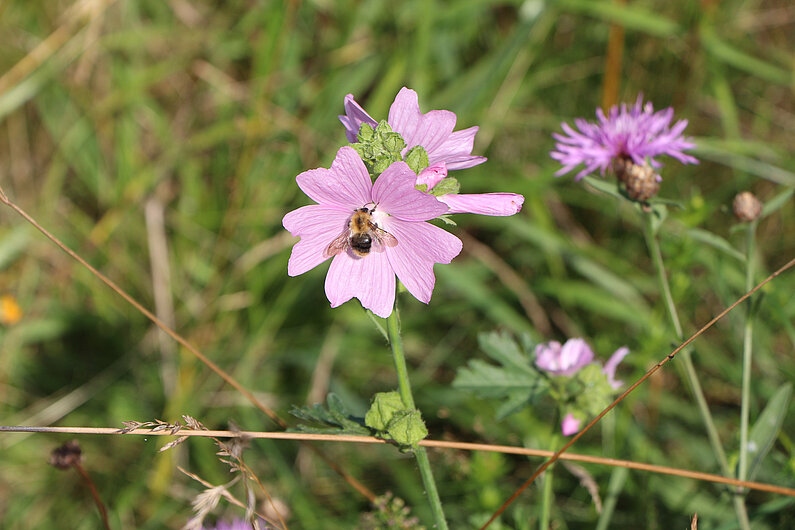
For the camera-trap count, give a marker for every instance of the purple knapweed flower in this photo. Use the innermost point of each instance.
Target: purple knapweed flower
(432, 130)
(394, 212)
(563, 360)
(570, 425)
(637, 133)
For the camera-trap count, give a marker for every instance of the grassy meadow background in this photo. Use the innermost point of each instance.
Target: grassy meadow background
(161, 140)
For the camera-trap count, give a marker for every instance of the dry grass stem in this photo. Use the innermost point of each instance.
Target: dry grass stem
(439, 444)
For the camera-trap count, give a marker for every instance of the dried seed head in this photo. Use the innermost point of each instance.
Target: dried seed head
(66, 456)
(641, 182)
(747, 207)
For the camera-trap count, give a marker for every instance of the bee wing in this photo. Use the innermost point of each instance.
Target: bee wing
(338, 245)
(382, 238)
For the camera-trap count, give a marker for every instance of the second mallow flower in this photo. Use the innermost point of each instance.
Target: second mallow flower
(373, 232)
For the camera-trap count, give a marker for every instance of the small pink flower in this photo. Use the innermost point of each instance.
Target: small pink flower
(563, 360)
(570, 425)
(395, 206)
(432, 130)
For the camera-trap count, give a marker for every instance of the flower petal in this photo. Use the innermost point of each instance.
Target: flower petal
(612, 364)
(430, 130)
(395, 194)
(370, 279)
(432, 175)
(317, 225)
(500, 204)
(420, 245)
(354, 116)
(570, 425)
(456, 149)
(347, 184)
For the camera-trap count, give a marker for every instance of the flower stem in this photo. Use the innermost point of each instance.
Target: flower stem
(742, 471)
(690, 370)
(404, 387)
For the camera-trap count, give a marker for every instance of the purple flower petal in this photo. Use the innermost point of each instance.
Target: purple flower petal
(346, 184)
(500, 204)
(394, 193)
(420, 245)
(611, 365)
(317, 225)
(370, 279)
(354, 116)
(570, 425)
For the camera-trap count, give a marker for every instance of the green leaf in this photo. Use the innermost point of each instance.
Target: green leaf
(445, 186)
(334, 419)
(715, 241)
(609, 188)
(766, 429)
(502, 348)
(383, 408)
(776, 202)
(515, 381)
(741, 60)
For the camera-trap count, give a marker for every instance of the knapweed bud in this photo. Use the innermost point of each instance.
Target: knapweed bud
(640, 182)
(66, 456)
(747, 207)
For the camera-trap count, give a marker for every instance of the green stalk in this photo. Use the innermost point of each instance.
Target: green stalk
(404, 387)
(690, 370)
(742, 472)
(546, 491)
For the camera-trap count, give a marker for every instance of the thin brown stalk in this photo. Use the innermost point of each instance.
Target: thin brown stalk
(94, 493)
(620, 398)
(439, 444)
(353, 482)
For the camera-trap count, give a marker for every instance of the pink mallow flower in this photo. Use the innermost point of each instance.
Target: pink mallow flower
(409, 246)
(432, 130)
(635, 133)
(567, 359)
(570, 425)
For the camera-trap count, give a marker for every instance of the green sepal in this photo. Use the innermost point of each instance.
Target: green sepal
(422, 187)
(445, 186)
(382, 409)
(447, 220)
(383, 128)
(366, 133)
(393, 143)
(407, 428)
(417, 159)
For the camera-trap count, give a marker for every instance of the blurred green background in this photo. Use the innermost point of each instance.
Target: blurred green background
(161, 139)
